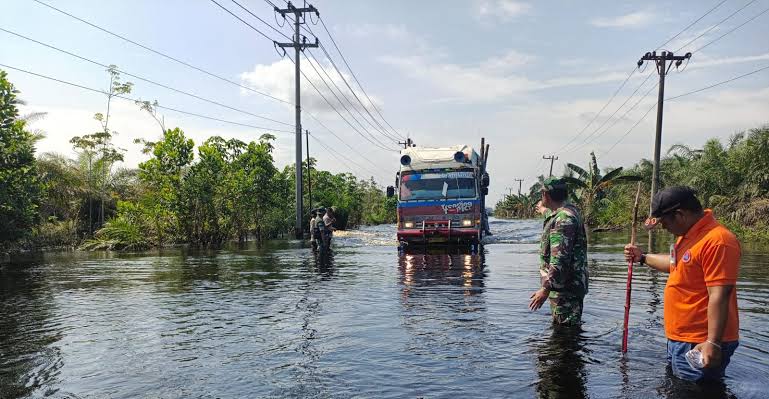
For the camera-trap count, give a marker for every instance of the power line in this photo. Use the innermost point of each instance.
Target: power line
(136, 100)
(310, 114)
(354, 150)
(719, 83)
(345, 97)
(161, 53)
(339, 113)
(662, 45)
(242, 20)
(732, 30)
(716, 25)
(142, 78)
(691, 24)
(381, 129)
(683, 95)
(600, 111)
(337, 155)
(356, 79)
(263, 21)
(587, 141)
(631, 129)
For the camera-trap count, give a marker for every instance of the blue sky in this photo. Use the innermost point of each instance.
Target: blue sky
(528, 76)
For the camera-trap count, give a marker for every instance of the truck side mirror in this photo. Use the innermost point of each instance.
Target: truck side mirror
(485, 191)
(485, 180)
(390, 191)
(397, 178)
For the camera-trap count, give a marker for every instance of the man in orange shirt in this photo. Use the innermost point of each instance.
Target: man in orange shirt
(700, 295)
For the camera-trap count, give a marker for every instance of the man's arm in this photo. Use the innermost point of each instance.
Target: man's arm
(718, 312)
(658, 262)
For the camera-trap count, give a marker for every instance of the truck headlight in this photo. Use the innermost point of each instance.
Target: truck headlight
(467, 223)
(408, 225)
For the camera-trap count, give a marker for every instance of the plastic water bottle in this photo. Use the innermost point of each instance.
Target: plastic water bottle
(694, 358)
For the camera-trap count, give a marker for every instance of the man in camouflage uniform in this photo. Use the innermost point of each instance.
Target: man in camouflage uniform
(563, 256)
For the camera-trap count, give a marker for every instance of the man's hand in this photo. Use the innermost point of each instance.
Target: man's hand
(538, 298)
(711, 354)
(540, 208)
(632, 253)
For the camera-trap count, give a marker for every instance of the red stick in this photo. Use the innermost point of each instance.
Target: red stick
(628, 288)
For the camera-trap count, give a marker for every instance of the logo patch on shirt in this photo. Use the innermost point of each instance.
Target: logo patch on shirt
(687, 257)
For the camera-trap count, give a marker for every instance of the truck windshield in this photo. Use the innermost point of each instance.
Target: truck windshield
(436, 186)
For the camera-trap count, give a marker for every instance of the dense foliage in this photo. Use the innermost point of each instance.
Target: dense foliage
(204, 196)
(19, 186)
(732, 178)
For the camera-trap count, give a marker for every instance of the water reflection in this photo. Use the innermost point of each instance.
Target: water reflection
(442, 268)
(560, 364)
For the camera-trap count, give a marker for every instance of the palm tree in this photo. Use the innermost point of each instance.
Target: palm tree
(590, 186)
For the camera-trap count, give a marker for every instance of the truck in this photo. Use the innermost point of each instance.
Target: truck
(441, 194)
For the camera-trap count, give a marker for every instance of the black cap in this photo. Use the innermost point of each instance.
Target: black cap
(673, 198)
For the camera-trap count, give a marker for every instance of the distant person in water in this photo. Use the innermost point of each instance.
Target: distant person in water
(328, 226)
(700, 294)
(314, 231)
(563, 256)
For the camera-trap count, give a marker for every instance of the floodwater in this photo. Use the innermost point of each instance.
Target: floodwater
(367, 322)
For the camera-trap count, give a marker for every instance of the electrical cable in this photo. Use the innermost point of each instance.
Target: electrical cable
(716, 25)
(157, 52)
(142, 78)
(691, 24)
(380, 144)
(136, 100)
(244, 21)
(373, 105)
(732, 30)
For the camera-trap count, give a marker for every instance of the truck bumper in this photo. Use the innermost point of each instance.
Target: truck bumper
(439, 235)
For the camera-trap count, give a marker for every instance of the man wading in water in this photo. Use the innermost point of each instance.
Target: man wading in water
(700, 295)
(563, 256)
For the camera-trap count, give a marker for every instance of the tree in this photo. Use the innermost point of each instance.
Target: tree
(19, 186)
(590, 186)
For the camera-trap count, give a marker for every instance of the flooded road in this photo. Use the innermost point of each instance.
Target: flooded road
(368, 322)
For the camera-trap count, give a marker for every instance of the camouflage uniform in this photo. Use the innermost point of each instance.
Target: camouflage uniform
(563, 263)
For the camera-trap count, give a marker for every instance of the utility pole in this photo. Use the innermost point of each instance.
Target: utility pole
(299, 43)
(663, 67)
(520, 182)
(406, 144)
(552, 159)
(309, 173)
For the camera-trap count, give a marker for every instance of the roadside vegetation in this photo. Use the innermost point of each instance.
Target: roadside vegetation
(731, 177)
(205, 196)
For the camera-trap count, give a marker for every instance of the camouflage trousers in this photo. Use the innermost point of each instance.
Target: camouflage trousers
(566, 309)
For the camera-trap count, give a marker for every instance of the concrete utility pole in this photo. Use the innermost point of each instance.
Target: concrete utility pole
(552, 159)
(309, 174)
(406, 144)
(299, 44)
(663, 67)
(520, 182)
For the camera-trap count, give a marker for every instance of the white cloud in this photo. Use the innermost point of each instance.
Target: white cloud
(510, 60)
(633, 20)
(277, 79)
(503, 9)
(389, 31)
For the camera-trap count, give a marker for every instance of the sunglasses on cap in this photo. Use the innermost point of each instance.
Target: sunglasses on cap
(652, 222)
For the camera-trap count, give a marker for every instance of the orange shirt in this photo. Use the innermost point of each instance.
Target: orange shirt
(707, 256)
